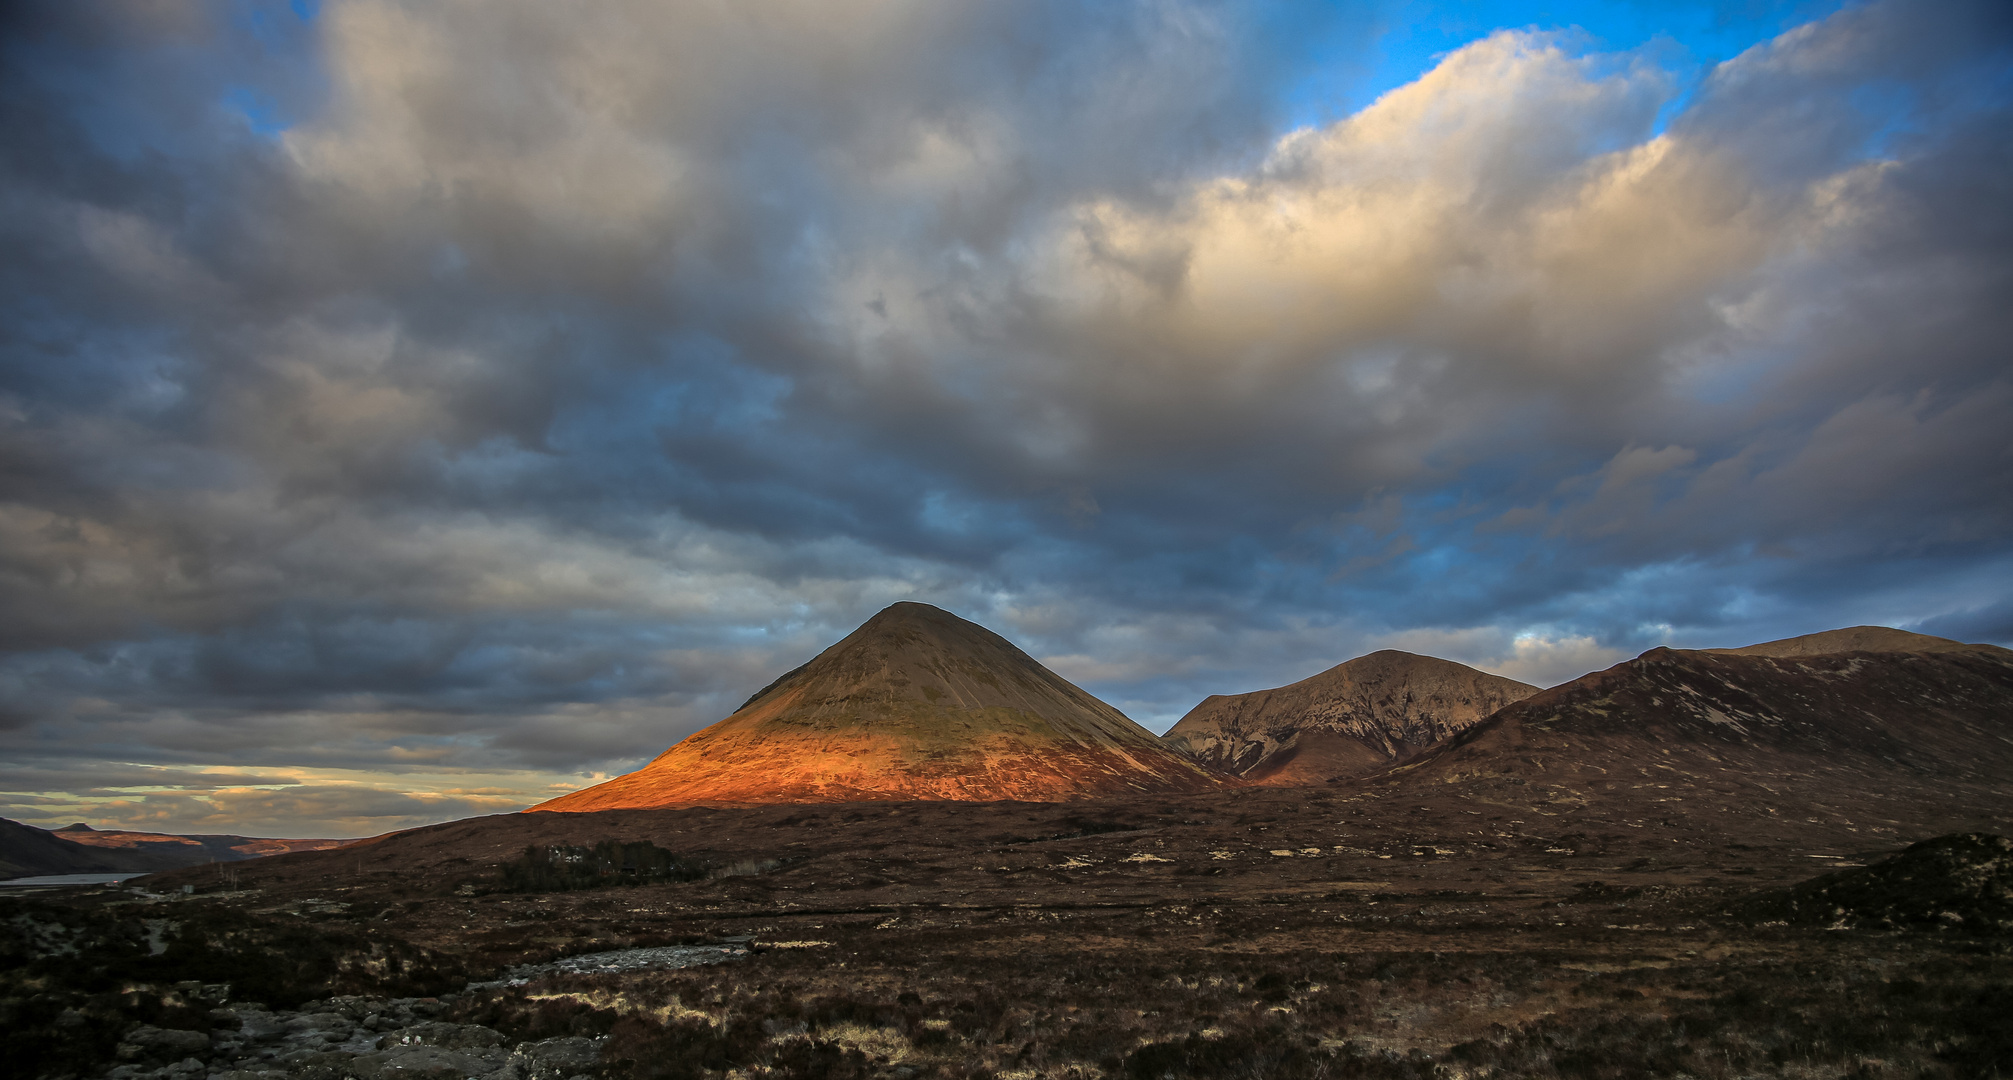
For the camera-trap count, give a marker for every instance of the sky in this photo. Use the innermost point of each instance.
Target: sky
(418, 410)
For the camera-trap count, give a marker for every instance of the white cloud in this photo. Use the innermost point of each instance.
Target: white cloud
(1549, 661)
(1534, 657)
(573, 371)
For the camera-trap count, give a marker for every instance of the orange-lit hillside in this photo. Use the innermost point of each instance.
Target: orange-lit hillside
(915, 704)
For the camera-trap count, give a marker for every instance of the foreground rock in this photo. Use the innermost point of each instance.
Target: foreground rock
(364, 1038)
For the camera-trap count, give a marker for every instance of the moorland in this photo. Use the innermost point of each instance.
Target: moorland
(1693, 864)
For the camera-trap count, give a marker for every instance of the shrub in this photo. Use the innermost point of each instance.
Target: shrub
(563, 867)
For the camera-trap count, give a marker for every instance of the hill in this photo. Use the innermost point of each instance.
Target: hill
(192, 848)
(1863, 741)
(1860, 639)
(1350, 720)
(26, 851)
(1962, 883)
(915, 704)
(29, 851)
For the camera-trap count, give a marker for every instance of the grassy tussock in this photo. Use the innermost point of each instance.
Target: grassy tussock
(1190, 1014)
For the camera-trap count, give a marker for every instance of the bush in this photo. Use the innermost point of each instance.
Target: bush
(563, 867)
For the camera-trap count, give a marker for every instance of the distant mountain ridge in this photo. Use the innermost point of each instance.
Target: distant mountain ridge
(1725, 720)
(222, 847)
(1860, 639)
(26, 851)
(915, 704)
(1377, 711)
(1353, 719)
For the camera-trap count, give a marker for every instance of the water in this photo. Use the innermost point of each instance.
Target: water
(57, 881)
(622, 960)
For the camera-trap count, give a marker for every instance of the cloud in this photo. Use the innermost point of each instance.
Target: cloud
(346, 810)
(308, 803)
(1529, 656)
(460, 391)
(1543, 661)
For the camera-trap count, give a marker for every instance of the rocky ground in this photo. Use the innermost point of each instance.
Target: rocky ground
(366, 1038)
(1274, 933)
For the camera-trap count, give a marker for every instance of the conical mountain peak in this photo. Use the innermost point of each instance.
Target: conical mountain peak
(915, 663)
(915, 704)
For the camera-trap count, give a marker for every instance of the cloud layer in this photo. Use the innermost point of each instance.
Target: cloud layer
(449, 401)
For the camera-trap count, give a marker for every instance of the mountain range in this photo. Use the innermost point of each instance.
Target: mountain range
(920, 704)
(1642, 838)
(79, 849)
(1743, 728)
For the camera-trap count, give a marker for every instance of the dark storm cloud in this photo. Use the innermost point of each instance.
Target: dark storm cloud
(497, 392)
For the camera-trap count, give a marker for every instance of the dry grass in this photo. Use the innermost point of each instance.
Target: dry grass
(1445, 931)
(976, 1002)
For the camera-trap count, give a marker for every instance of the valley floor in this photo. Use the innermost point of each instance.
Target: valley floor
(1284, 933)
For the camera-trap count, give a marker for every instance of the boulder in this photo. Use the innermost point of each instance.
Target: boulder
(444, 1035)
(421, 1061)
(555, 1059)
(152, 1043)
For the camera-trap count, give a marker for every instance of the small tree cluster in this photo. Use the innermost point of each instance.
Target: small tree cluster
(561, 867)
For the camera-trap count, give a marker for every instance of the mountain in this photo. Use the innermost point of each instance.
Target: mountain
(1860, 639)
(188, 850)
(1353, 719)
(915, 704)
(1861, 738)
(27, 851)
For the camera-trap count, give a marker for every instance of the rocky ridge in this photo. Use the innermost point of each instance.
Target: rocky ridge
(1350, 720)
(1743, 732)
(1876, 639)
